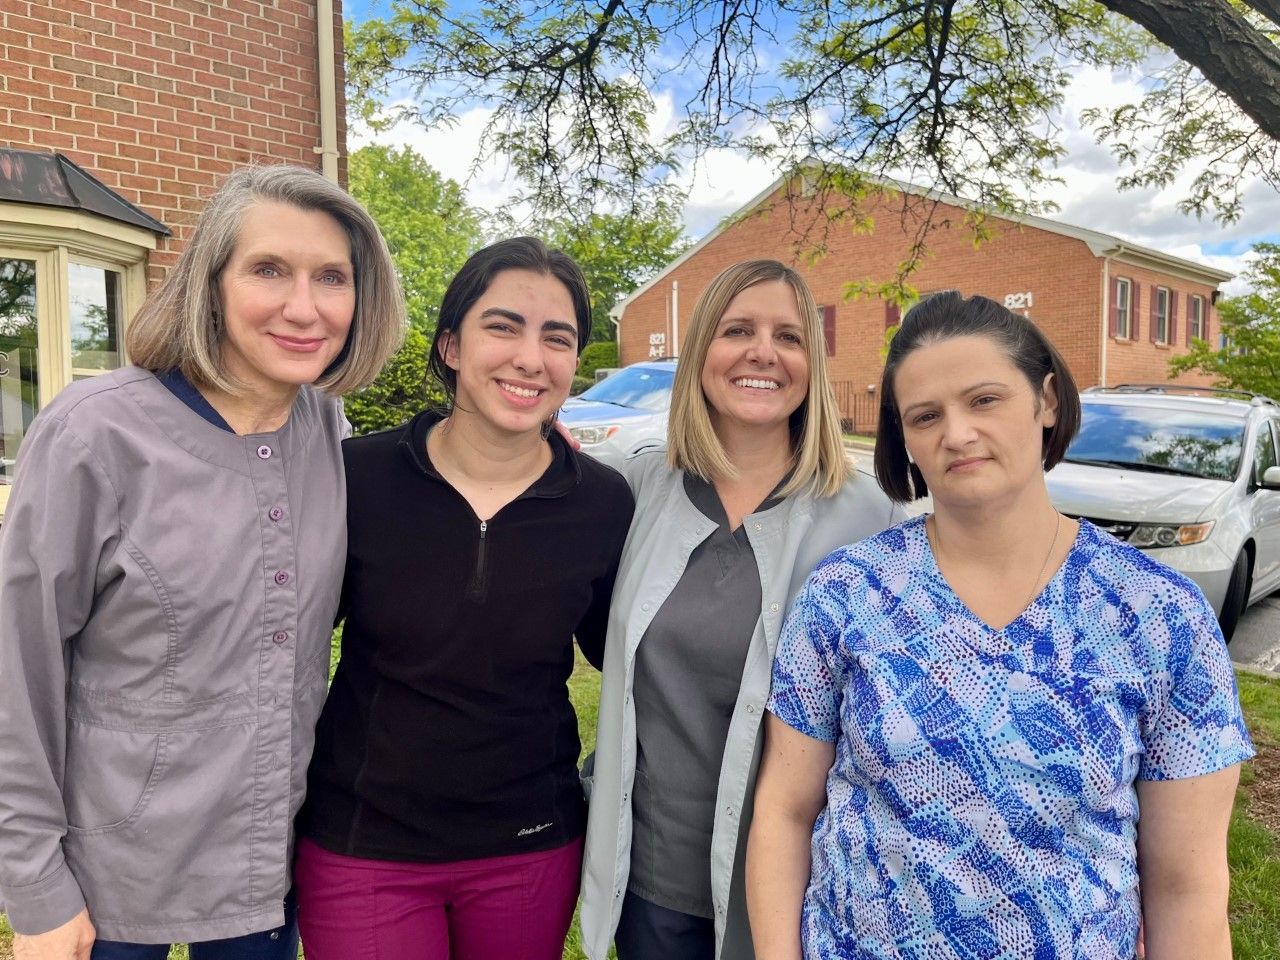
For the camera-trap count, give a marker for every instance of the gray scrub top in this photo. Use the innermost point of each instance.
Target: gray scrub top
(688, 671)
(167, 594)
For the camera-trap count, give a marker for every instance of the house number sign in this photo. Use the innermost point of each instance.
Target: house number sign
(1018, 301)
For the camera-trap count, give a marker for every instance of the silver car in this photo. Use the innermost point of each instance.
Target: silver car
(624, 413)
(1191, 476)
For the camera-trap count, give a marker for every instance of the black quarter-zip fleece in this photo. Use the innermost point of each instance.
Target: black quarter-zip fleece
(448, 733)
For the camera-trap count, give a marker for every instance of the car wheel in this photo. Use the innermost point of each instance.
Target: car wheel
(1233, 603)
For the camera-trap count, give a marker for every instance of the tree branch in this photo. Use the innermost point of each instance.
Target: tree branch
(1231, 53)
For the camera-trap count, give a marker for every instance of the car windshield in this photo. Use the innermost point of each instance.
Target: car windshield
(647, 388)
(1163, 440)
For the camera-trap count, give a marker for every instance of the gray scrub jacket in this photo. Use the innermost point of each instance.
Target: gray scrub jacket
(167, 594)
(788, 541)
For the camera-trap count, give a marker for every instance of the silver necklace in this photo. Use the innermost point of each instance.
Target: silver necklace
(1035, 584)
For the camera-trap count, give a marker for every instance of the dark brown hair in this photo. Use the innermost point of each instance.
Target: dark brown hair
(473, 279)
(942, 317)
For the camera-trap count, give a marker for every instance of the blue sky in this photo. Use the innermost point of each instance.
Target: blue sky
(720, 182)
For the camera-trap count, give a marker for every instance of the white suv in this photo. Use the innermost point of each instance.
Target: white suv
(1191, 475)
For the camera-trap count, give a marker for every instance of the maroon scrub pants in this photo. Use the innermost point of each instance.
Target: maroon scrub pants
(516, 908)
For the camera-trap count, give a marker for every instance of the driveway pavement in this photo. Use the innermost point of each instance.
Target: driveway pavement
(1257, 640)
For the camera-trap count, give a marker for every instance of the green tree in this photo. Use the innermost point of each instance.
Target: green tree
(401, 390)
(618, 252)
(1250, 359)
(956, 97)
(428, 224)
(601, 354)
(18, 300)
(431, 231)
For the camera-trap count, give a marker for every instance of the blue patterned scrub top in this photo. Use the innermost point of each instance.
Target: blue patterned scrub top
(981, 803)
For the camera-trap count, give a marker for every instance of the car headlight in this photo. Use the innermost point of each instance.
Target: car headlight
(591, 435)
(1169, 535)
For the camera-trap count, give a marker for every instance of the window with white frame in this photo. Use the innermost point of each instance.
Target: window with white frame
(64, 295)
(73, 257)
(1124, 308)
(1195, 317)
(1160, 316)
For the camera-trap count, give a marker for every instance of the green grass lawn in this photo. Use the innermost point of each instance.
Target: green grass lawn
(1253, 845)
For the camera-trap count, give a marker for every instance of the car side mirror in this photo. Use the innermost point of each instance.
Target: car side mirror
(1271, 478)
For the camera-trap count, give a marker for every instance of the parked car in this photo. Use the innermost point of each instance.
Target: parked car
(624, 413)
(1189, 475)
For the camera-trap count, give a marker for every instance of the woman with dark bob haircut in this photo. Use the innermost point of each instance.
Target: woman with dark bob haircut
(1018, 736)
(444, 816)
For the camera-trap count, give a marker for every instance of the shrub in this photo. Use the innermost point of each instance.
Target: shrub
(401, 390)
(595, 356)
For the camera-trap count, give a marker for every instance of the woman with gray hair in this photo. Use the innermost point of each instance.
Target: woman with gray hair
(170, 566)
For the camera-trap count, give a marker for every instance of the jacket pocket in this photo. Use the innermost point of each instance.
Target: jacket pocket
(172, 843)
(117, 752)
(110, 776)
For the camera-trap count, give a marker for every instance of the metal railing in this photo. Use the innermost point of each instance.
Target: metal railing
(858, 408)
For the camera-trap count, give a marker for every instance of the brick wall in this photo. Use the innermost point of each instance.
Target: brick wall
(1138, 359)
(1063, 277)
(159, 99)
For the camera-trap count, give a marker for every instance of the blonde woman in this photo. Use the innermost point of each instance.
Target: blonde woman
(170, 566)
(752, 491)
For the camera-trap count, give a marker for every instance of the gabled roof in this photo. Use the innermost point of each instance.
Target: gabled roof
(1099, 244)
(51, 180)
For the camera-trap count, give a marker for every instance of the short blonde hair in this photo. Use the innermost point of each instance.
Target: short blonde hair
(177, 327)
(820, 464)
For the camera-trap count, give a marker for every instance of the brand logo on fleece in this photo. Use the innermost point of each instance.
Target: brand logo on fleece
(527, 831)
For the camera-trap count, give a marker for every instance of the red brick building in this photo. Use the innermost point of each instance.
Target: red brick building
(117, 119)
(1116, 310)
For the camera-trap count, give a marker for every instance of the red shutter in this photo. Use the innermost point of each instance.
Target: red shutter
(1173, 318)
(1191, 311)
(1155, 311)
(892, 315)
(1114, 312)
(1135, 307)
(829, 329)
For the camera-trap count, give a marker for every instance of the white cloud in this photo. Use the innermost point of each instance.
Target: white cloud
(1089, 197)
(452, 150)
(719, 184)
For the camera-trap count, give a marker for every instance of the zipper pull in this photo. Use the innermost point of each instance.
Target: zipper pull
(484, 525)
